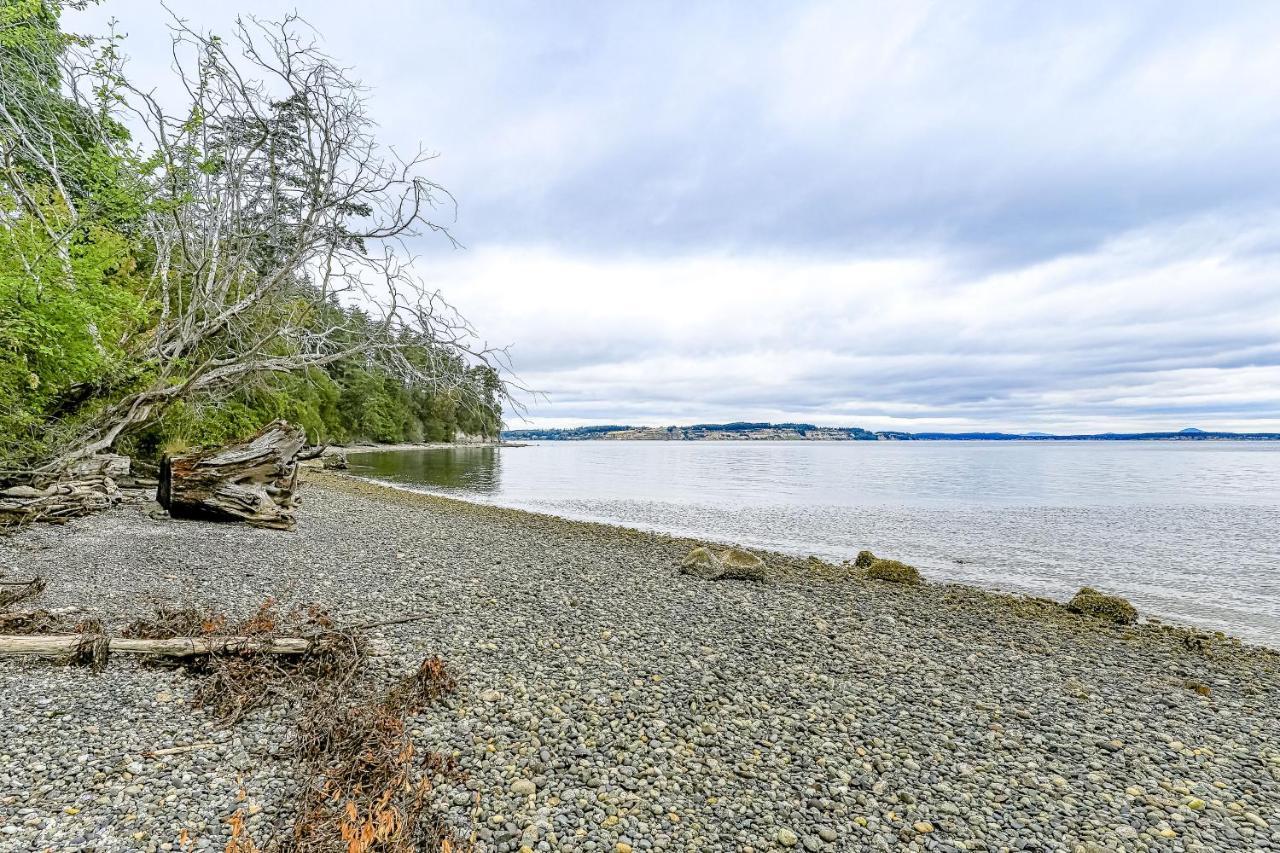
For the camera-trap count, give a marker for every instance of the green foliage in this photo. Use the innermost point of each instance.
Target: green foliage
(346, 404)
(78, 329)
(64, 311)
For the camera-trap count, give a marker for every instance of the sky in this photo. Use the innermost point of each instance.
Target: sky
(921, 215)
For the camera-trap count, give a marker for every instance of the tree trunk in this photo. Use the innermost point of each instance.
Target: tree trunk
(95, 649)
(252, 481)
(175, 647)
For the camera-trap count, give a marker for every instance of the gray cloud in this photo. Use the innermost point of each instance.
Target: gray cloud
(918, 214)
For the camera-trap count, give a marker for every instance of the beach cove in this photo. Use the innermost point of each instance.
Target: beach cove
(608, 703)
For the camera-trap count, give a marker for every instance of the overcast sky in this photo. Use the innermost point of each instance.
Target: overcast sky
(1016, 215)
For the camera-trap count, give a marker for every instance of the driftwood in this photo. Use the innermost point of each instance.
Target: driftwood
(94, 648)
(111, 465)
(315, 451)
(11, 592)
(56, 501)
(252, 481)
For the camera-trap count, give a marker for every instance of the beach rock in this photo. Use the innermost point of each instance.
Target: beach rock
(737, 564)
(732, 564)
(864, 560)
(336, 462)
(786, 838)
(1090, 602)
(701, 563)
(893, 571)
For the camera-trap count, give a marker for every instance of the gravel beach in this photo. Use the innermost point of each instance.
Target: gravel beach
(608, 703)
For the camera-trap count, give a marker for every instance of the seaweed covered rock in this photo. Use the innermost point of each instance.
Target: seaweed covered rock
(737, 564)
(731, 564)
(893, 571)
(1090, 602)
(335, 461)
(701, 563)
(864, 560)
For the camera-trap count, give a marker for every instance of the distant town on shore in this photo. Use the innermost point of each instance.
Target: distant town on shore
(744, 431)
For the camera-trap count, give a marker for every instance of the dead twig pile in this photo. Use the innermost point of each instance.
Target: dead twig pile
(11, 592)
(370, 789)
(366, 787)
(234, 680)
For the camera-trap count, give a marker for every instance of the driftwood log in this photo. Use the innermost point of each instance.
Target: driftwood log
(95, 649)
(58, 645)
(57, 501)
(252, 481)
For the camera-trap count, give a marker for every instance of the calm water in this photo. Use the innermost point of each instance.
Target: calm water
(1188, 531)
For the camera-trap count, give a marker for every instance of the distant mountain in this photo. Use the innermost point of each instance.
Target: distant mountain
(753, 431)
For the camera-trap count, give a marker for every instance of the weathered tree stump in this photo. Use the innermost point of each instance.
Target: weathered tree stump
(252, 481)
(56, 501)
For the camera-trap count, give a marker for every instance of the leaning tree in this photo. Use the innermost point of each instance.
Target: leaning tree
(273, 234)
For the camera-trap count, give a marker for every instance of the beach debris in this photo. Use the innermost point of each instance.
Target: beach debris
(335, 461)
(11, 592)
(55, 501)
(1090, 602)
(59, 645)
(894, 572)
(730, 564)
(370, 789)
(251, 481)
(367, 787)
(864, 560)
(1198, 687)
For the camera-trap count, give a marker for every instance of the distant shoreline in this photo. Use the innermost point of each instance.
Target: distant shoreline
(809, 432)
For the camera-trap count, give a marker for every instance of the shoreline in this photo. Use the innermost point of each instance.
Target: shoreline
(608, 702)
(426, 445)
(793, 559)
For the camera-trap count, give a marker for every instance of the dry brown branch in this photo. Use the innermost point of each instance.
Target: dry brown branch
(11, 592)
(370, 790)
(366, 788)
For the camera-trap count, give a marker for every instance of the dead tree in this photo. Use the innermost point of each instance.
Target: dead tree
(274, 213)
(252, 481)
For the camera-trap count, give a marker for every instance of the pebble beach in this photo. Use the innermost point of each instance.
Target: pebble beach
(607, 702)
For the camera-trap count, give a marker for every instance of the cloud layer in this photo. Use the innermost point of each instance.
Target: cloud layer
(911, 215)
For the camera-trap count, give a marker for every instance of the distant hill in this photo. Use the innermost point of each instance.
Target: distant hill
(753, 431)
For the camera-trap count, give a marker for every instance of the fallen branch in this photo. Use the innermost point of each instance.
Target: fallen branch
(56, 502)
(23, 590)
(412, 617)
(176, 750)
(57, 645)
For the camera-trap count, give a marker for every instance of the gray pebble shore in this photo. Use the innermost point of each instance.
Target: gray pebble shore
(608, 703)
